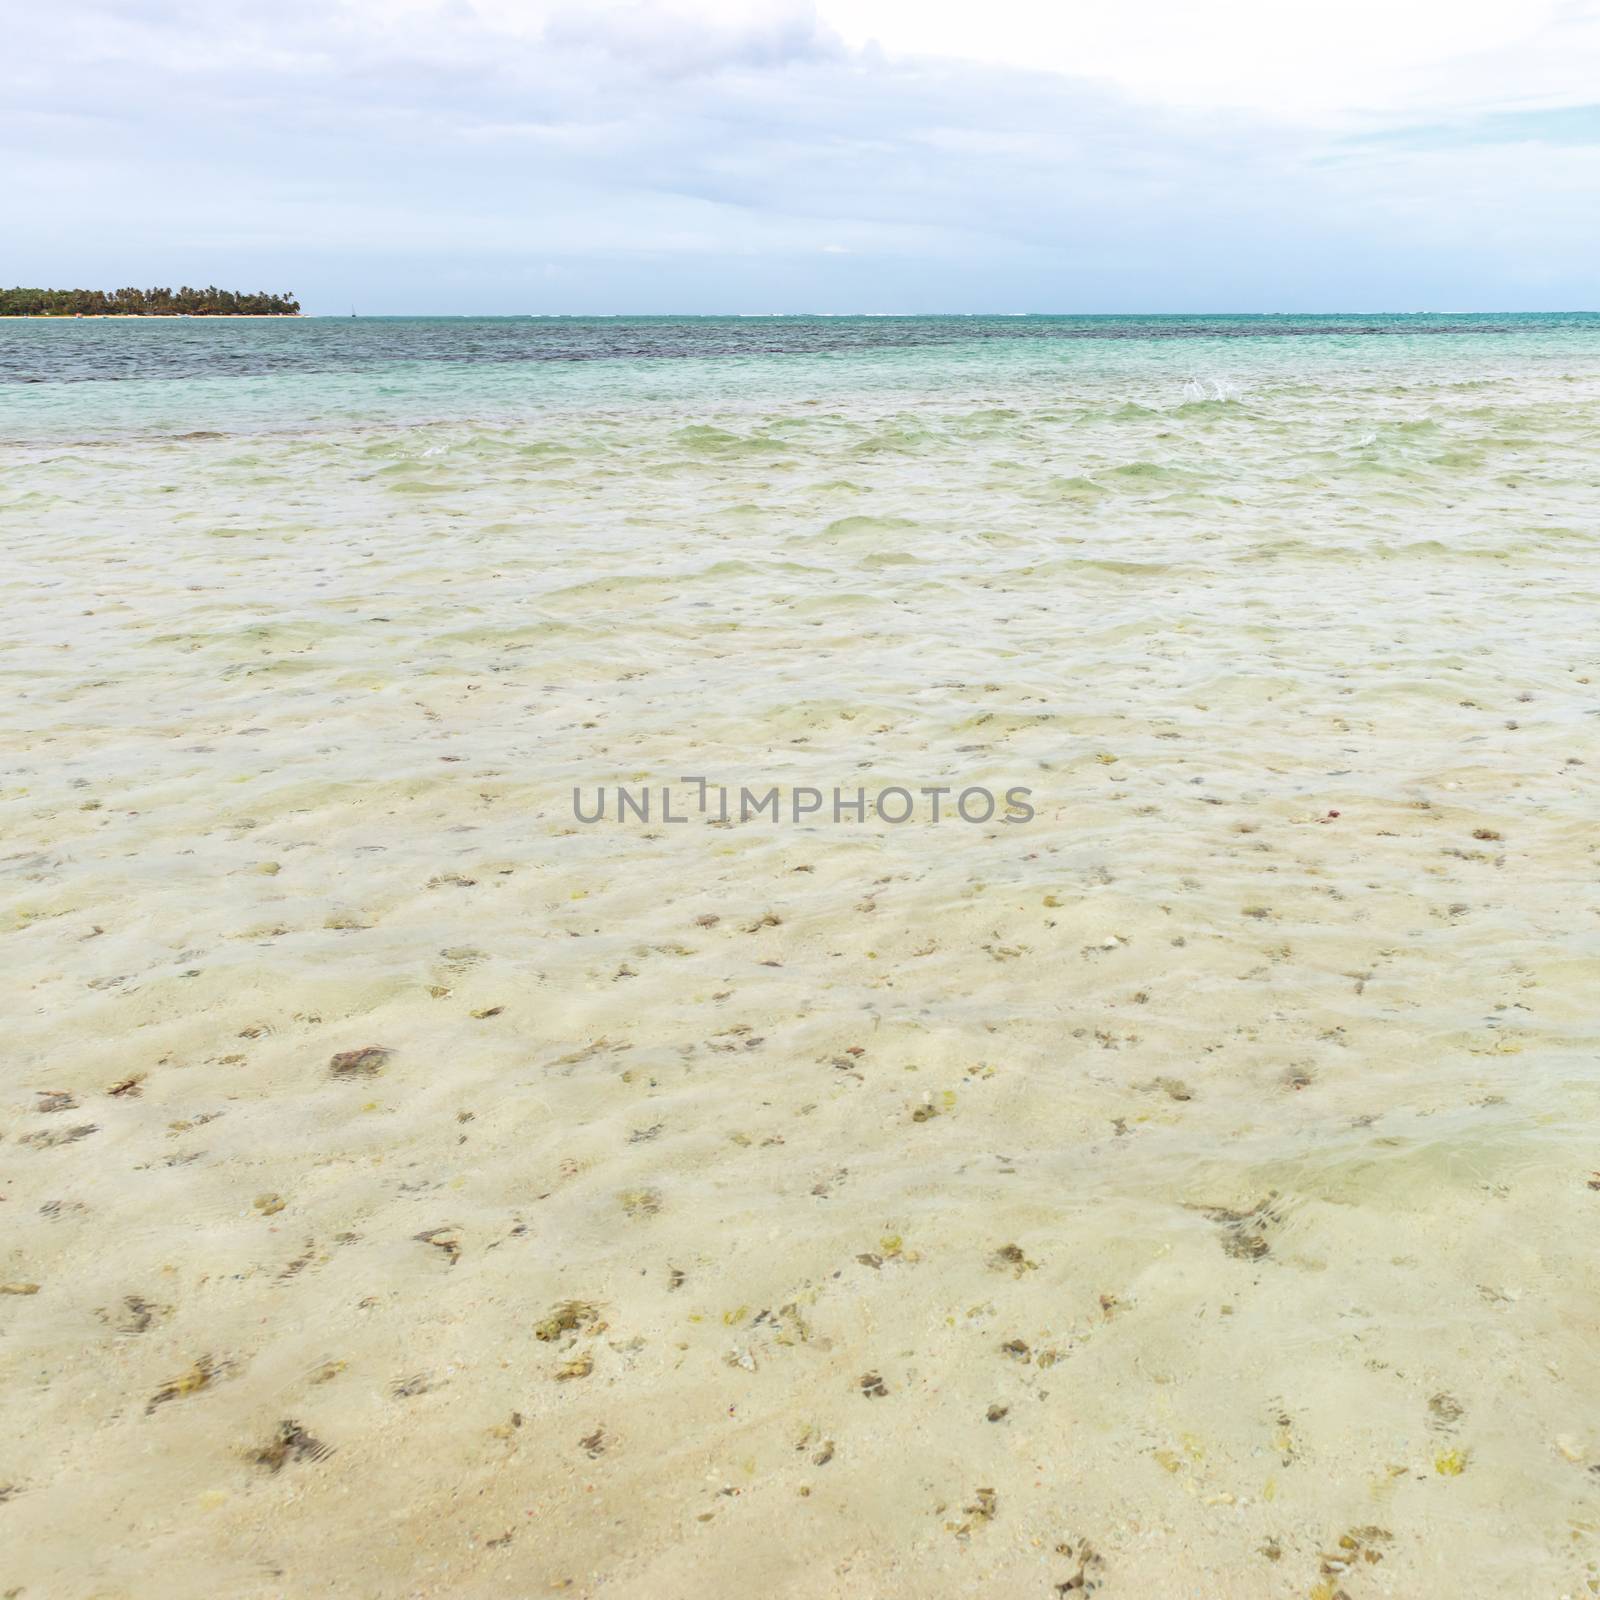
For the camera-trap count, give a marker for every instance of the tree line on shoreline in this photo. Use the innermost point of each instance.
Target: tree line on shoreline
(210, 302)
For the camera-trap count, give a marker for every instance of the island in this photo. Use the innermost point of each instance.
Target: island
(184, 302)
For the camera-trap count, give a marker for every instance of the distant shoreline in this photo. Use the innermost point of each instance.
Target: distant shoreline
(151, 316)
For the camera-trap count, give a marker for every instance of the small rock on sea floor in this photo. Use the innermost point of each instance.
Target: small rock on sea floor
(363, 1063)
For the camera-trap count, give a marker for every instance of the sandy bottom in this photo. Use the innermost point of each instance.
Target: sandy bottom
(408, 1190)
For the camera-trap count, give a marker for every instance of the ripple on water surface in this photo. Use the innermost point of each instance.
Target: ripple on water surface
(1198, 1176)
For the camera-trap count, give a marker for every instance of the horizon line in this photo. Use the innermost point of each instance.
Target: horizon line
(756, 316)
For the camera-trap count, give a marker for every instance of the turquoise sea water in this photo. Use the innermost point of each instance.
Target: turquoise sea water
(251, 374)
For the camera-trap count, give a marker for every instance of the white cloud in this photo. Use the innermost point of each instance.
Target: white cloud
(662, 155)
(1291, 57)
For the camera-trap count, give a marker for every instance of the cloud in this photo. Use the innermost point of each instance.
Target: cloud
(501, 156)
(1322, 60)
(681, 42)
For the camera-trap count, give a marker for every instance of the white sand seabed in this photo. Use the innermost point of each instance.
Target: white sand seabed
(1188, 1191)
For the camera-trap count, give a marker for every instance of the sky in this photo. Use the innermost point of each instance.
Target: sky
(517, 156)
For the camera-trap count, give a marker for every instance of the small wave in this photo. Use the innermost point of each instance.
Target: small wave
(1201, 390)
(704, 439)
(857, 528)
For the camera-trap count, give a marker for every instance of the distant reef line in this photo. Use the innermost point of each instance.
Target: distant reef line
(184, 302)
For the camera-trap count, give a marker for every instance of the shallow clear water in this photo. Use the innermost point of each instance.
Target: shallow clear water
(1227, 1130)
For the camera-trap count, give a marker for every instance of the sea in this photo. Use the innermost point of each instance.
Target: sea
(1074, 1068)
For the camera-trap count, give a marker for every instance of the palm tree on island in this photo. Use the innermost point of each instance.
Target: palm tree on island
(184, 302)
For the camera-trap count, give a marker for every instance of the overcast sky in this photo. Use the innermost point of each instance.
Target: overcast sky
(774, 155)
